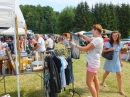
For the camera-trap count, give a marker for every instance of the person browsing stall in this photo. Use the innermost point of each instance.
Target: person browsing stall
(115, 64)
(33, 41)
(49, 43)
(21, 43)
(94, 49)
(40, 47)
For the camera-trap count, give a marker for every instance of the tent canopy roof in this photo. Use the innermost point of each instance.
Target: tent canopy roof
(10, 31)
(8, 9)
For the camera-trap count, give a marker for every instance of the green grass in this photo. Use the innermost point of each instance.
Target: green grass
(30, 84)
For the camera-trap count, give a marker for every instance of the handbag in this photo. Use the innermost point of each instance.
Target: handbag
(108, 55)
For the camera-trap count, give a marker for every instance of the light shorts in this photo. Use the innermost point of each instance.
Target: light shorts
(94, 70)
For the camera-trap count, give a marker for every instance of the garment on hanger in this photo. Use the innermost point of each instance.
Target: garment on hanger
(55, 84)
(75, 53)
(57, 63)
(62, 73)
(69, 71)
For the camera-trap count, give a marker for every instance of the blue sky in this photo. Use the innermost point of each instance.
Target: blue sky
(59, 5)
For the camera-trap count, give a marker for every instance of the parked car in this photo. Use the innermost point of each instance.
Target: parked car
(125, 41)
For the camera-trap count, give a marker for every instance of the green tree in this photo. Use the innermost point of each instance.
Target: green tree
(123, 12)
(105, 14)
(83, 17)
(43, 19)
(40, 19)
(113, 22)
(66, 19)
(96, 13)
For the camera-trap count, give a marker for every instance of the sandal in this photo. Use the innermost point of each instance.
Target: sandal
(103, 84)
(122, 93)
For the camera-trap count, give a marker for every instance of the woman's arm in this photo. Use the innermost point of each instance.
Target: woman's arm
(90, 46)
(86, 38)
(107, 50)
(37, 46)
(120, 59)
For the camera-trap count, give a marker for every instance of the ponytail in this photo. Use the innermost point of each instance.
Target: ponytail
(103, 31)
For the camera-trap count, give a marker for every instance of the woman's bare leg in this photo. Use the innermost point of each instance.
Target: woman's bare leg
(104, 77)
(89, 80)
(96, 82)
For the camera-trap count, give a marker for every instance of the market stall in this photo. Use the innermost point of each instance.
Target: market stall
(11, 16)
(19, 63)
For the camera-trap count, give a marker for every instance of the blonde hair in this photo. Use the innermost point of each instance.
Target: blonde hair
(99, 28)
(104, 31)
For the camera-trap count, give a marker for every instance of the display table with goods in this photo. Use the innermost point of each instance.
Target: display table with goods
(29, 64)
(47, 68)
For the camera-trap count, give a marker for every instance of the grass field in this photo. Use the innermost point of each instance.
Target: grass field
(30, 84)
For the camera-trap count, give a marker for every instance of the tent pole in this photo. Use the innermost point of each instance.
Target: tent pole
(17, 52)
(15, 24)
(25, 28)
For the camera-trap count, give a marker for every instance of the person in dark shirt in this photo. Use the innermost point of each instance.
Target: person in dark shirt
(10, 45)
(28, 48)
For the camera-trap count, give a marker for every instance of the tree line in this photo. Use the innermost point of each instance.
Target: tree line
(43, 19)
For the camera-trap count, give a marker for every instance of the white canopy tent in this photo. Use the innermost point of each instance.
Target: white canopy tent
(10, 31)
(8, 8)
(11, 16)
(1, 30)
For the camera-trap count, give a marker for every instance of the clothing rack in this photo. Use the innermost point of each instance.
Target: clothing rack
(67, 52)
(61, 52)
(73, 90)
